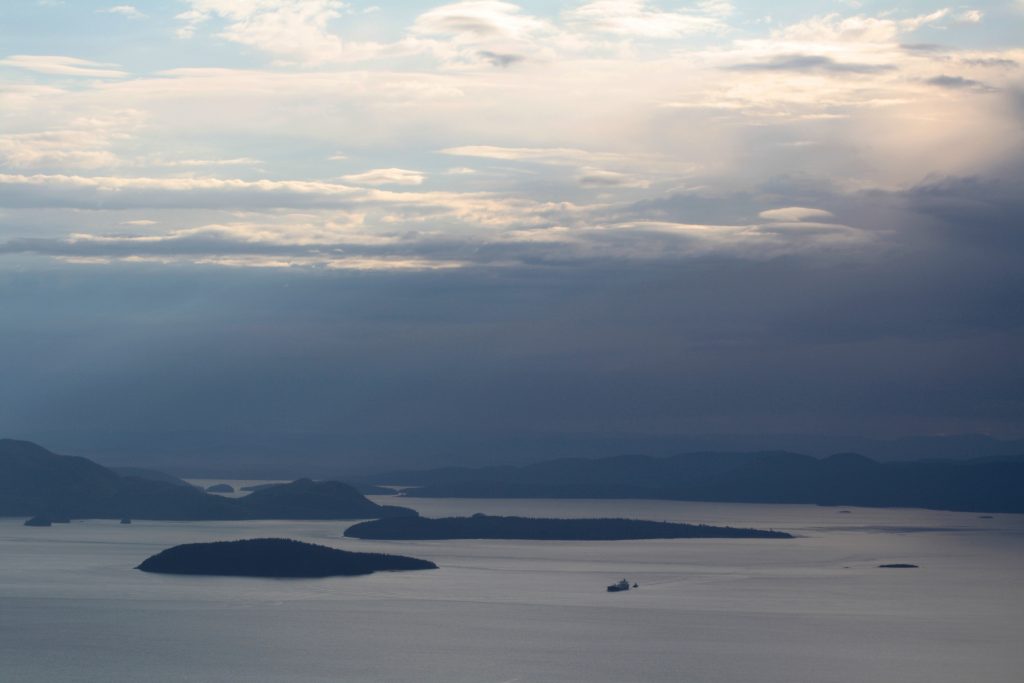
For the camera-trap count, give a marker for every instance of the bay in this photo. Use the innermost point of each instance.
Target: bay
(814, 608)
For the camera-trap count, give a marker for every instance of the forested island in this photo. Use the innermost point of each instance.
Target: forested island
(481, 526)
(274, 558)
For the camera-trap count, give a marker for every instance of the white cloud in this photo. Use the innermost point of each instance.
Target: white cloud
(791, 214)
(129, 11)
(484, 34)
(548, 155)
(834, 28)
(63, 148)
(458, 210)
(197, 163)
(88, 141)
(386, 176)
(480, 20)
(291, 30)
(59, 65)
(639, 18)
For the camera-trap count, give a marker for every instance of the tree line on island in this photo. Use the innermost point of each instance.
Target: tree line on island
(481, 526)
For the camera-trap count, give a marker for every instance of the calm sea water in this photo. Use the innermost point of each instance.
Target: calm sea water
(813, 609)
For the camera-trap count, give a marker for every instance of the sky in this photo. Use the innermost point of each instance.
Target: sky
(418, 232)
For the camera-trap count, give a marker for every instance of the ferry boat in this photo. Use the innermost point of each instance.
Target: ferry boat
(620, 586)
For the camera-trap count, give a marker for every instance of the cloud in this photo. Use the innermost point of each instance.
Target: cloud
(88, 141)
(485, 33)
(442, 228)
(811, 63)
(480, 20)
(128, 11)
(386, 176)
(547, 155)
(472, 211)
(291, 30)
(637, 18)
(914, 23)
(835, 28)
(500, 59)
(793, 214)
(971, 16)
(600, 179)
(958, 83)
(196, 163)
(58, 65)
(60, 148)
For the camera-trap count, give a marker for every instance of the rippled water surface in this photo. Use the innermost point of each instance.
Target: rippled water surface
(812, 609)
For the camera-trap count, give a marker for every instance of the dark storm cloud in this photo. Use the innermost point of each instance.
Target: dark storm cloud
(924, 335)
(811, 63)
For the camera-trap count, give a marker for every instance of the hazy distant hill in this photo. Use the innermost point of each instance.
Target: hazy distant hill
(306, 499)
(256, 455)
(984, 485)
(34, 481)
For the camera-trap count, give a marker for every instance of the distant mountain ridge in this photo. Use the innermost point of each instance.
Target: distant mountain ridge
(34, 481)
(256, 454)
(983, 485)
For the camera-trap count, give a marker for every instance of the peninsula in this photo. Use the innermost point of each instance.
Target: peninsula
(274, 558)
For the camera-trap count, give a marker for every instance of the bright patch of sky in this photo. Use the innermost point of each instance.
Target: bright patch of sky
(521, 124)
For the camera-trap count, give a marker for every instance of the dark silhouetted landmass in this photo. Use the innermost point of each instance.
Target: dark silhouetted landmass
(36, 482)
(151, 475)
(258, 487)
(39, 520)
(539, 529)
(256, 454)
(365, 489)
(897, 565)
(985, 485)
(374, 490)
(220, 488)
(274, 558)
(307, 499)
